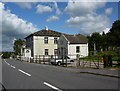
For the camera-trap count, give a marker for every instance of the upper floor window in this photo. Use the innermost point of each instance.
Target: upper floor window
(77, 49)
(46, 40)
(55, 41)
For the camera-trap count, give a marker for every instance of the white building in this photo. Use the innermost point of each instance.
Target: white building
(44, 42)
(73, 45)
(25, 53)
(47, 42)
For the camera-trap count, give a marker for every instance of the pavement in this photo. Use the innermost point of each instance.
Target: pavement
(111, 72)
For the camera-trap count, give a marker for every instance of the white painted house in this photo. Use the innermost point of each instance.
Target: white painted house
(43, 42)
(48, 42)
(25, 53)
(73, 45)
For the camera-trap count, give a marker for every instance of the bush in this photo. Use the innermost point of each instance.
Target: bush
(97, 57)
(6, 54)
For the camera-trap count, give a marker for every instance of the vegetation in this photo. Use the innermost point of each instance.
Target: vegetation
(7, 54)
(17, 46)
(109, 43)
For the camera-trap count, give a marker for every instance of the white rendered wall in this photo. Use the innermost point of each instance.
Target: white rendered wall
(40, 46)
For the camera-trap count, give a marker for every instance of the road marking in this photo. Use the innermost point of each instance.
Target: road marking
(12, 66)
(7, 63)
(51, 86)
(24, 72)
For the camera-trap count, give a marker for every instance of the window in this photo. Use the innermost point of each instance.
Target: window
(46, 40)
(27, 51)
(77, 49)
(55, 41)
(46, 51)
(55, 51)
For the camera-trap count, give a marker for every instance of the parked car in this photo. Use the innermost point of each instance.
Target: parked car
(61, 61)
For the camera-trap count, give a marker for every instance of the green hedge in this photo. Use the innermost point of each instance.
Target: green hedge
(97, 57)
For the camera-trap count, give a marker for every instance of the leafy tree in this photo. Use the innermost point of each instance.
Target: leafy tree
(17, 46)
(104, 41)
(105, 44)
(95, 38)
(114, 34)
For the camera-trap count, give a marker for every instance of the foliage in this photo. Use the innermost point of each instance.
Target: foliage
(7, 54)
(17, 46)
(106, 41)
(115, 33)
(95, 37)
(99, 55)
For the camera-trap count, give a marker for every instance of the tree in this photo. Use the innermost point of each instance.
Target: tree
(95, 38)
(114, 34)
(17, 46)
(105, 44)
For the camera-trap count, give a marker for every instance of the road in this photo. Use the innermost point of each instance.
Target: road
(22, 75)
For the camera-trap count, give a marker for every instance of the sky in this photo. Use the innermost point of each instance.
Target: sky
(19, 19)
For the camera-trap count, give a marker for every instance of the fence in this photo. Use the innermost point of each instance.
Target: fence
(40, 59)
(91, 63)
(78, 61)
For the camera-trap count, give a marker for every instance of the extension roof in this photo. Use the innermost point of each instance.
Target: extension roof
(76, 39)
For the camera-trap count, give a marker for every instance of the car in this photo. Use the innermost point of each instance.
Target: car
(60, 61)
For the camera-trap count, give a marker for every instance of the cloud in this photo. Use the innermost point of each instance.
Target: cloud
(89, 23)
(105, 31)
(42, 9)
(108, 11)
(14, 27)
(83, 16)
(58, 12)
(82, 8)
(24, 5)
(52, 18)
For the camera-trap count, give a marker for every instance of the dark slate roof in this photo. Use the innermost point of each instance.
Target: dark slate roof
(76, 39)
(44, 32)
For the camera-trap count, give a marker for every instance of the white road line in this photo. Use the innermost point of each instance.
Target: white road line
(51, 86)
(24, 72)
(12, 66)
(7, 63)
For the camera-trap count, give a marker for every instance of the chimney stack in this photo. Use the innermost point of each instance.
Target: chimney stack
(46, 28)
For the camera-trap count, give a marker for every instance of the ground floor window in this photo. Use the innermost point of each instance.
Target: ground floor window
(55, 51)
(46, 52)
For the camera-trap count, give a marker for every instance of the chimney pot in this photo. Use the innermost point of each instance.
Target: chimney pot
(46, 28)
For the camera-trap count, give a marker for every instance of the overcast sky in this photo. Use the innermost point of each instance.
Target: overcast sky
(19, 19)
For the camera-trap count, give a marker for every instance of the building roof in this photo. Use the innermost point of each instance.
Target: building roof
(45, 32)
(73, 39)
(76, 39)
